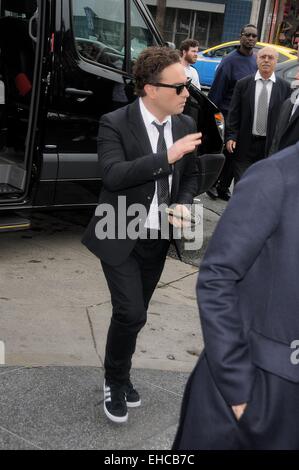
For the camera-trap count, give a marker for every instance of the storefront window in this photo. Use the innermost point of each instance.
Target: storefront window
(202, 28)
(288, 28)
(169, 26)
(281, 23)
(217, 20)
(183, 26)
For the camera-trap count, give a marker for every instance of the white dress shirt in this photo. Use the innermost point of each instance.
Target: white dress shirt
(152, 220)
(192, 73)
(258, 89)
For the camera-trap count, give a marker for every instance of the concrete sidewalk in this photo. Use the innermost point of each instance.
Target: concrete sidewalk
(61, 408)
(55, 311)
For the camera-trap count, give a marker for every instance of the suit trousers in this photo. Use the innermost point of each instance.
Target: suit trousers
(255, 153)
(227, 173)
(131, 286)
(270, 421)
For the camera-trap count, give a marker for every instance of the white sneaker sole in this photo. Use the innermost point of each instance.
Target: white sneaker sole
(115, 419)
(133, 404)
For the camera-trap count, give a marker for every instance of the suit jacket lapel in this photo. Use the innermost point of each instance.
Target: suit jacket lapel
(274, 96)
(251, 94)
(295, 115)
(138, 128)
(285, 120)
(178, 131)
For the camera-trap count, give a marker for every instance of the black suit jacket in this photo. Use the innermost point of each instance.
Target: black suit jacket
(241, 112)
(287, 128)
(129, 168)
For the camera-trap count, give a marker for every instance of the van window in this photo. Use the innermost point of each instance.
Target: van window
(221, 52)
(99, 31)
(141, 37)
(18, 9)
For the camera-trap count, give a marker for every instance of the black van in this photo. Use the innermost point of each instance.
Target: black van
(63, 63)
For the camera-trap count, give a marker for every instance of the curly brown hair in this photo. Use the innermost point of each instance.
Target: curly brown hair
(187, 43)
(150, 64)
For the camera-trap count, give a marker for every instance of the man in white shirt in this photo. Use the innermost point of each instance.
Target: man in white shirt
(253, 113)
(189, 51)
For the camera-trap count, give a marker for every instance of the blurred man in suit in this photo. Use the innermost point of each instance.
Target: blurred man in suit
(244, 391)
(287, 128)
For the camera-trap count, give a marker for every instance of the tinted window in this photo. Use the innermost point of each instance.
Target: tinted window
(141, 37)
(225, 51)
(99, 31)
(221, 52)
(20, 9)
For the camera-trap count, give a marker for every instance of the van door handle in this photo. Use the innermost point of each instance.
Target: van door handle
(78, 93)
(33, 18)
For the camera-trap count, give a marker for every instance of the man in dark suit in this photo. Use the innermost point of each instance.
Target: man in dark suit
(236, 65)
(253, 113)
(146, 152)
(244, 391)
(287, 129)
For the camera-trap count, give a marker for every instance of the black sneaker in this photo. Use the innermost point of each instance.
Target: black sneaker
(212, 193)
(115, 406)
(132, 396)
(224, 195)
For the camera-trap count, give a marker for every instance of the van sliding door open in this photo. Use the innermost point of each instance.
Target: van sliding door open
(19, 27)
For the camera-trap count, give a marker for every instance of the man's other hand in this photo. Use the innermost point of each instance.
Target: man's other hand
(181, 217)
(230, 146)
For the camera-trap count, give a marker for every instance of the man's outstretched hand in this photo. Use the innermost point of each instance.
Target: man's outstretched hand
(183, 146)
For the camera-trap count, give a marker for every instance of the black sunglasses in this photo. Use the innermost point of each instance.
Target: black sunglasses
(179, 87)
(247, 35)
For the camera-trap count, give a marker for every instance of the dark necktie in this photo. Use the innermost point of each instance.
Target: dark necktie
(162, 183)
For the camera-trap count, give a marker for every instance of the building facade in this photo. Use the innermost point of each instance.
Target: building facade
(281, 22)
(209, 21)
